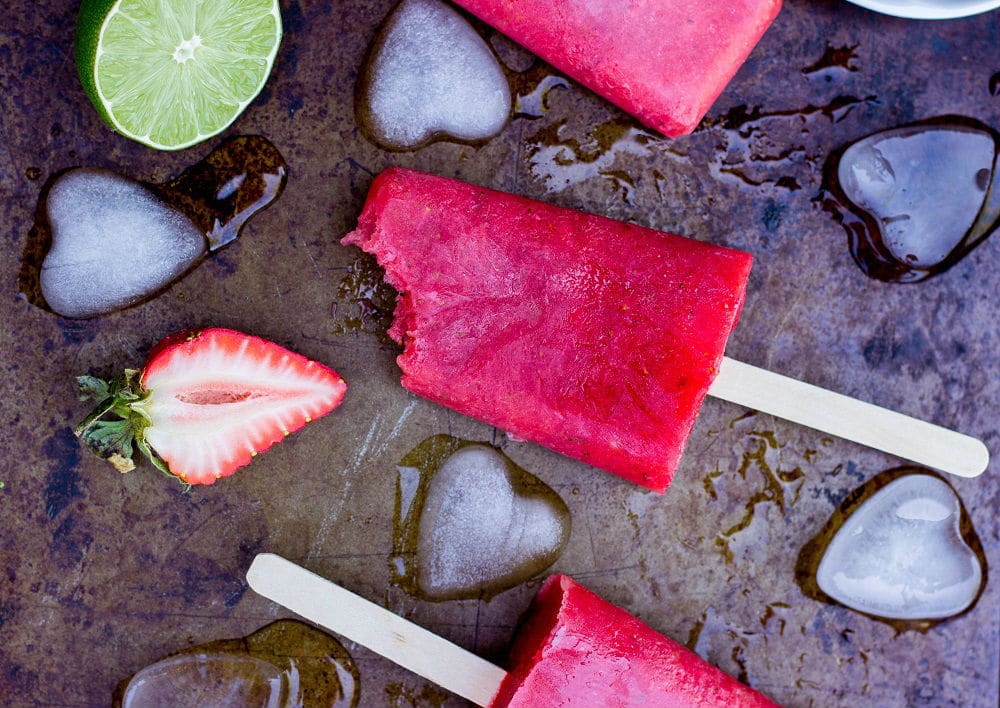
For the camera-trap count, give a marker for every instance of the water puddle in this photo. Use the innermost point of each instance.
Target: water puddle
(723, 643)
(765, 477)
(745, 146)
(834, 60)
(365, 301)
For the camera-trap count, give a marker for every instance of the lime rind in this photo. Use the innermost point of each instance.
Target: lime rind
(170, 74)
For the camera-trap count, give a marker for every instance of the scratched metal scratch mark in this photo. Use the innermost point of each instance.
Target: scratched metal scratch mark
(374, 435)
(346, 475)
(312, 260)
(383, 447)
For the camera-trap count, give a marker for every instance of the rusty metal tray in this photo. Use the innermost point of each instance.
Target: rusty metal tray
(102, 574)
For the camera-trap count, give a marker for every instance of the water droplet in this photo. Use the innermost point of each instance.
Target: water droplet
(535, 103)
(834, 59)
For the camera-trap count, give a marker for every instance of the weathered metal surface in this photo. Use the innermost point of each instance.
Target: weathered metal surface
(102, 574)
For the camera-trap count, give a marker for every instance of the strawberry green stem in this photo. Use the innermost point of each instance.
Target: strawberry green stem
(118, 422)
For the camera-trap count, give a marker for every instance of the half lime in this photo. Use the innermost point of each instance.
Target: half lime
(171, 73)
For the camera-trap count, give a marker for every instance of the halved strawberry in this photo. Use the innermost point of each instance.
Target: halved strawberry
(206, 403)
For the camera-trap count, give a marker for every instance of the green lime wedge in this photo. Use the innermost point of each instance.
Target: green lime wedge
(171, 73)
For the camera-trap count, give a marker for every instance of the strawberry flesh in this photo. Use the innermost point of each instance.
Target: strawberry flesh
(210, 400)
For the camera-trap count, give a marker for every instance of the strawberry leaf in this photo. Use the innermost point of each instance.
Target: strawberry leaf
(115, 439)
(112, 440)
(92, 387)
(157, 461)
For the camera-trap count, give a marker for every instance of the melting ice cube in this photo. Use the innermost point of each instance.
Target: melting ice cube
(922, 196)
(480, 528)
(924, 186)
(482, 524)
(901, 555)
(114, 243)
(430, 73)
(222, 680)
(287, 663)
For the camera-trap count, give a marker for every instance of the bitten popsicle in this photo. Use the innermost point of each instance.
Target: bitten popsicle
(595, 338)
(663, 61)
(573, 648)
(592, 337)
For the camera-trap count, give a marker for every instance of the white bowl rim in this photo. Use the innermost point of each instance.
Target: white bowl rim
(926, 11)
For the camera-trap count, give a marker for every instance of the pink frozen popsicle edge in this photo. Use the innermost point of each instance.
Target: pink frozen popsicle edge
(575, 648)
(663, 61)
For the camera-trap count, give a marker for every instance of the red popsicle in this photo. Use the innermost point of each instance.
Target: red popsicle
(576, 649)
(663, 61)
(573, 649)
(592, 337)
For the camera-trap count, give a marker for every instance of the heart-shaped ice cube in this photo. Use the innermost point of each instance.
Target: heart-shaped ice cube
(207, 680)
(485, 525)
(901, 554)
(114, 243)
(286, 663)
(429, 73)
(918, 197)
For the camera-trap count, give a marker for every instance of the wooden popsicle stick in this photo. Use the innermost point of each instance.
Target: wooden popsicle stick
(341, 611)
(851, 419)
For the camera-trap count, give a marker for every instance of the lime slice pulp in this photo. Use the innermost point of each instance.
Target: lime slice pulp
(171, 73)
